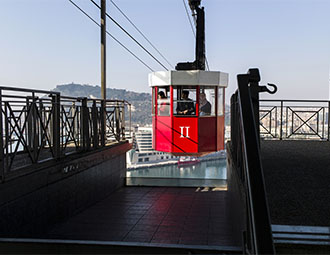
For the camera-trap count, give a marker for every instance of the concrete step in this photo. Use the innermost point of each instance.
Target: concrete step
(292, 239)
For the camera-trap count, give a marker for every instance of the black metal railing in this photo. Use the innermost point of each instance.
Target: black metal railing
(246, 157)
(294, 119)
(39, 125)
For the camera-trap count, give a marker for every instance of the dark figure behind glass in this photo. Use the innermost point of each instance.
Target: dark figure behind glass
(186, 106)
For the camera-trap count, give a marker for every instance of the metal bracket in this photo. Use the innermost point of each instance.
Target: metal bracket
(265, 89)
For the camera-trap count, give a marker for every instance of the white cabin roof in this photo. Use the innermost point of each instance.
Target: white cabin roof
(188, 78)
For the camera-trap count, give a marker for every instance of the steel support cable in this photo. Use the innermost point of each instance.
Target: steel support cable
(131, 22)
(131, 36)
(114, 38)
(192, 28)
(188, 16)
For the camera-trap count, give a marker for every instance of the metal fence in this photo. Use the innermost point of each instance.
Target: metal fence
(294, 119)
(38, 126)
(244, 146)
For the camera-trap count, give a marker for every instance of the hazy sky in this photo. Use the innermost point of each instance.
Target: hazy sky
(44, 43)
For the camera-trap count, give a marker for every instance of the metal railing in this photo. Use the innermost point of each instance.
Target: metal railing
(245, 152)
(294, 119)
(39, 125)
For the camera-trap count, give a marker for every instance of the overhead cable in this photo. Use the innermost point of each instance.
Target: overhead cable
(141, 33)
(111, 36)
(191, 25)
(130, 36)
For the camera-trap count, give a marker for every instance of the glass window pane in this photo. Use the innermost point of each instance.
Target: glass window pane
(184, 102)
(207, 101)
(220, 101)
(163, 101)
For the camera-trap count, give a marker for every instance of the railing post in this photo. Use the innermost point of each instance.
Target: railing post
(2, 161)
(256, 195)
(281, 124)
(95, 126)
(123, 120)
(103, 121)
(117, 119)
(328, 120)
(56, 104)
(34, 128)
(85, 124)
(254, 90)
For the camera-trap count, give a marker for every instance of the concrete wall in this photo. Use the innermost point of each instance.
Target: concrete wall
(236, 200)
(31, 204)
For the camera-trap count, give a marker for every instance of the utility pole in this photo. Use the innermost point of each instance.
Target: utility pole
(103, 72)
(103, 50)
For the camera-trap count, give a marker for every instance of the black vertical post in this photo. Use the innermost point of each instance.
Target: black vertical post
(2, 165)
(103, 121)
(103, 71)
(328, 139)
(34, 128)
(117, 119)
(85, 124)
(103, 49)
(200, 39)
(95, 126)
(281, 127)
(254, 77)
(56, 104)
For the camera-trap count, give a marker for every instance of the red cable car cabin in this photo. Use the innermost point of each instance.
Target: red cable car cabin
(188, 111)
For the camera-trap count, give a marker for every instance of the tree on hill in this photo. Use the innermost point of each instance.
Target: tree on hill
(141, 102)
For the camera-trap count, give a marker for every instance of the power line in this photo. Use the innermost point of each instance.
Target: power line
(141, 33)
(192, 28)
(131, 36)
(114, 38)
(188, 16)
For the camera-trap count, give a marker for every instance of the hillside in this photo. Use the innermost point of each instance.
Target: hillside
(141, 102)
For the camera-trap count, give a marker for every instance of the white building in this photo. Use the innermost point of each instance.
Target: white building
(142, 152)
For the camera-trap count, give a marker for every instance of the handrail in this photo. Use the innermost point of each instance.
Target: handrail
(245, 144)
(294, 119)
(37, 126)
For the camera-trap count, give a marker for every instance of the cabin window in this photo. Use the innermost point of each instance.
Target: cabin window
(163, 101)
(146, 159)
(184, 100)
(220, 101)
(140, 159)
(207, 101)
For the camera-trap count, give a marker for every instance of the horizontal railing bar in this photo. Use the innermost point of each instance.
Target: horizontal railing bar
(29, 90)
(294, 100)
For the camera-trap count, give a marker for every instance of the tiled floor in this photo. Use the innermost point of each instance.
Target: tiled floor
(154, 215)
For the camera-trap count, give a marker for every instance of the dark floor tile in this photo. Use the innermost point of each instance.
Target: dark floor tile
(165, 241)
(143, 227)
(141, 233)
(137, 239)
(146, 221)
(166, 235)
(178, 223)
(193, 241)
(170, 229)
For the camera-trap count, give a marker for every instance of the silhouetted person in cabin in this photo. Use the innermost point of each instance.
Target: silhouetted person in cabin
(204, 105)
(163, 104)
(186, 105)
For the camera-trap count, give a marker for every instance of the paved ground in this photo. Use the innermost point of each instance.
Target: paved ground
(297, 177)
(154, 215)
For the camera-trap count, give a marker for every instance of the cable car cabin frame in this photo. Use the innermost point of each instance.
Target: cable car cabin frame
(195, 133)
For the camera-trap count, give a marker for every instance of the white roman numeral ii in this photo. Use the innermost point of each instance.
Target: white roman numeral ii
(187, 132)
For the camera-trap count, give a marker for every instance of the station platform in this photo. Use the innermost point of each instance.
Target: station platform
(155, 215)
(297, 176)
